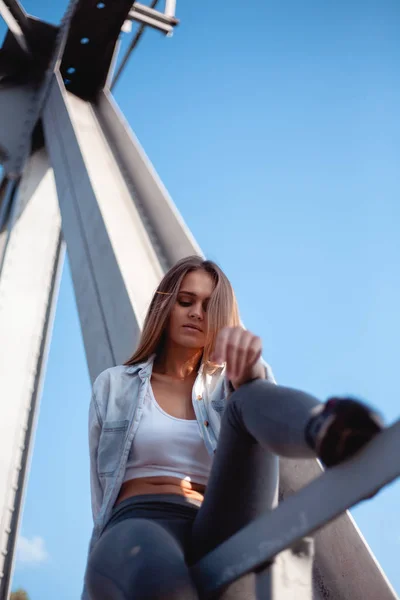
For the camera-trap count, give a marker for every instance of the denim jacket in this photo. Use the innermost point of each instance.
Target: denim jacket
(115, 411)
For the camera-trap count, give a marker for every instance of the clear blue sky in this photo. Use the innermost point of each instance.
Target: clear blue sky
(275, 126)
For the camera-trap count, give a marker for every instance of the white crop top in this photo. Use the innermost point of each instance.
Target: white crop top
(167, 446)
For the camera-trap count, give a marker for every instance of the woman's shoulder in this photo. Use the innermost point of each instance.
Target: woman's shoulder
(112, 388)
(115, 376)
(110, 374)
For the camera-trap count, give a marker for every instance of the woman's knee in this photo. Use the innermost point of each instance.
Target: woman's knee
(138, 559)
(254, 389)
(271, 399)
(253, 393)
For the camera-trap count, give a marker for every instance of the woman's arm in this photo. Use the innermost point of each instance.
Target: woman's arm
(95, 425)
(241, 351)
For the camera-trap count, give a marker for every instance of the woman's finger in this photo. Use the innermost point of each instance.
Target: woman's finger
(219, 354)
(232, 351)
(255, 351)
(244, 354)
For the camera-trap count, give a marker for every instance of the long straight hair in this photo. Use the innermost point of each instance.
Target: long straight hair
(222, 309)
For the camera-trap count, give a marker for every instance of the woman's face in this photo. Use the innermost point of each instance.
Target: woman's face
(188, 320)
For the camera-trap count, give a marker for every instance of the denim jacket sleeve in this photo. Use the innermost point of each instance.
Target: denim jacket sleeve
(95, 425)
(269, 376)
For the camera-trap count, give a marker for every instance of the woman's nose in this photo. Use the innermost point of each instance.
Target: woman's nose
(196, 312)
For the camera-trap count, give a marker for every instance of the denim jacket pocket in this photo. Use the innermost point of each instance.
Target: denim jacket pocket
(111, 443)
(219, 405)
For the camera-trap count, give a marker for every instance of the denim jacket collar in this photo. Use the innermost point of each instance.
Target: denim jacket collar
(145, 369)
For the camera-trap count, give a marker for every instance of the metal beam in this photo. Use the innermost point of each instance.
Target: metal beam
(143, 9)
(19, 14)
(21, 105)
(304, 513)
(27, 47)
(168, 232)
(17, 22)
(95, 29)
(154, 18)
(170, 6)
(151, 22)
(28, 290)
(344, 567)
(289, 577)
(114, 266)
(118, 250)
(5, 188)
(16, 105)
(8, 212)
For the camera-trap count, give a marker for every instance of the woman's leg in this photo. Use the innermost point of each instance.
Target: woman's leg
(261, 421)
(138, 559)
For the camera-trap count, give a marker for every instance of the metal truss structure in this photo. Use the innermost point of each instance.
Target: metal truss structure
(75, 176)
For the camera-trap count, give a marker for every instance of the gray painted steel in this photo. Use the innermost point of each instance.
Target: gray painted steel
(114, 266)
(169, 234)
(153, 18)
(13, 14)
(8, 214)
(344, 567)
(15, 105)
(291, 577)
(305, 512)
(28, 288)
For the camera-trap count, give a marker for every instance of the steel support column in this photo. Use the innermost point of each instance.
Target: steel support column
(304, 513)
(28, 290)
(114, 266)
(16, 106)
(121, 228)
(14, 16)
(344, 566)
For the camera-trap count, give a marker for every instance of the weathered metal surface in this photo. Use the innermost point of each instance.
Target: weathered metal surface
(28, 289)
(90, 46)
(308, 510)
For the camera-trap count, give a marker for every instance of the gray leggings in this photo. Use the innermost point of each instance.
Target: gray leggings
(149, 541)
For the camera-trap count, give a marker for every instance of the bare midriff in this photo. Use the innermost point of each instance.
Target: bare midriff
(161, 485)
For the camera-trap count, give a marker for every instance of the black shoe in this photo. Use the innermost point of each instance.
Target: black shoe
(341, 427)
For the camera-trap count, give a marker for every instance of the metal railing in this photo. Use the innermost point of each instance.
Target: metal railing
(335, 491)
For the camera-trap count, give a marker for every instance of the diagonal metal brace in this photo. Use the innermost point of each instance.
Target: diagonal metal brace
(154, 18)
(17, 22)
(324, 499)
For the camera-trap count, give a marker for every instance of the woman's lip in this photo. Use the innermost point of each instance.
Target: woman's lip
(192, 328)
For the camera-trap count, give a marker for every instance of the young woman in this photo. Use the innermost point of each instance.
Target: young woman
(184, 439)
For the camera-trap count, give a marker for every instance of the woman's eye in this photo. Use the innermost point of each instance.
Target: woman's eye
(184, 303)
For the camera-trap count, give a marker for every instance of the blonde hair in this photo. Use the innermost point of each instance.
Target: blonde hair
(222, 310)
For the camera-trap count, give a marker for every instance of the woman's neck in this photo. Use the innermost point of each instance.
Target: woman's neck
(178, 362)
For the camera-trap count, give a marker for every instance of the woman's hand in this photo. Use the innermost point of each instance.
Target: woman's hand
(241, 351)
